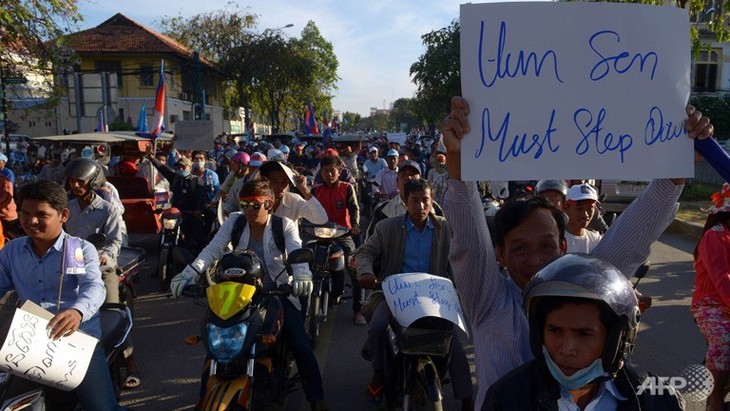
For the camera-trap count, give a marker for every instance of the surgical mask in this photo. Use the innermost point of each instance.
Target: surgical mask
(199, 164)
(581, 378)
(183, 173)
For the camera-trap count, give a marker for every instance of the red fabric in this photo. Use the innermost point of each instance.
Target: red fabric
(126, 169)
(713, 266)
(334, 201)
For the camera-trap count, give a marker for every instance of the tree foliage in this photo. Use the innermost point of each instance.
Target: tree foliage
(270, 73)
(437, 74)
(403, 113)
(350, 121)
(26, 28)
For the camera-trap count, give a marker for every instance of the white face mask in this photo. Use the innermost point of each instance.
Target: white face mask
(581, 378)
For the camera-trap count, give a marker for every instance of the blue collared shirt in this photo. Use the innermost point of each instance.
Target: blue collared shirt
(417, 258)
(37, 279)
(606, 399)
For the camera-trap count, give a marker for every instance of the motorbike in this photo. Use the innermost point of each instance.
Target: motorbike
(171, 239)
(418, 347)
(116, 323)
(329, 259)
(248, 365)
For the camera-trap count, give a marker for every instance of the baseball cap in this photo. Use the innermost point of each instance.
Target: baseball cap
(409, 164)
(184, 161)
(392, 153)
(582, 192)
(373, 148)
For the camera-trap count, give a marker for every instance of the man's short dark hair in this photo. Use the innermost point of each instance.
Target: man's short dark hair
(329, 160)
(415, 186)
(512, 214)
(196, 152)
(44, 190)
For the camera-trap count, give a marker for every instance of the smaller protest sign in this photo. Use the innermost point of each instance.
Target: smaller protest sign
(411, 296)
(399, 138)
(194, 135)
(28, 352)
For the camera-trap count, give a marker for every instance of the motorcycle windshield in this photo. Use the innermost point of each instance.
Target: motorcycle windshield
(226, 299)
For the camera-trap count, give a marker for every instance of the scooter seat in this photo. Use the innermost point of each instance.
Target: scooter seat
(115, 325)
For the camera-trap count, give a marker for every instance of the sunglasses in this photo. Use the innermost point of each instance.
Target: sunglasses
(253, 204)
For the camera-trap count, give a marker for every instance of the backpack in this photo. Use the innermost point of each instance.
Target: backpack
(277, 227)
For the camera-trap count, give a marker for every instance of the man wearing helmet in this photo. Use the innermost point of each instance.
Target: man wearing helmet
(529, 234)
(255, 161)
(90, 214)
(257, 199)
(554, 191)
(583, 319)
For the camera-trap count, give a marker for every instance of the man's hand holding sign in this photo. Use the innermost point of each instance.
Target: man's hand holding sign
(560, 91)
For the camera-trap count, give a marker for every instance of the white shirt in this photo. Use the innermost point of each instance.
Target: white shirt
(584, 243)
(606, 399)
(293, 206)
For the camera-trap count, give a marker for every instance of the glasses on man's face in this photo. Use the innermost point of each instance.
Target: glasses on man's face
(253, 204)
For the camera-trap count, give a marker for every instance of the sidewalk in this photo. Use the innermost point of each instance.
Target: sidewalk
(689, 229)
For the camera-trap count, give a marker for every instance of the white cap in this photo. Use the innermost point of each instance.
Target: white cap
(582, 192)
(373, 148)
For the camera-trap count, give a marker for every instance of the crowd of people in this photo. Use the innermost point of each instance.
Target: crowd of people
(552, 314)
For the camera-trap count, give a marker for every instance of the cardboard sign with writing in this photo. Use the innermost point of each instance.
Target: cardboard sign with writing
(194, 135)
(29, 353)
(411, 296)
(575, 90)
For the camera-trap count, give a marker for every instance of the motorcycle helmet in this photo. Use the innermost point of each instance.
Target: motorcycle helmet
(240, 266)
(241, 157)
(586, 277)
(257, 159)
(555, 185)
(86, 170)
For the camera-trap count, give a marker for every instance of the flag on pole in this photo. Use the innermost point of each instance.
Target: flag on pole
(158, 123)
(310, 124)
(142, 120)
(102, 128)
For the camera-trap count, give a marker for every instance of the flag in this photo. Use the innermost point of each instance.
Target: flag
(102, 128)
(142, 120)
(310, 124)
(325, 123)
(158, 123)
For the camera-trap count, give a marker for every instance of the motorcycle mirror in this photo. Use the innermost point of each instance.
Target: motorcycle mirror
(97, 239)
(642, 270)
(302, 255)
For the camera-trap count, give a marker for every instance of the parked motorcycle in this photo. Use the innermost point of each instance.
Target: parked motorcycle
(329, 260)
(248, 364)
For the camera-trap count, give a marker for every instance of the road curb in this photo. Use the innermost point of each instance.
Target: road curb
(692, 231)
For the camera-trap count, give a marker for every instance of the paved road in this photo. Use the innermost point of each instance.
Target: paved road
(667, 342)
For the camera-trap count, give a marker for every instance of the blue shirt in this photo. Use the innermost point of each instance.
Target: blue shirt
(210, 182)
(36, 279)
(417, 258)
(606, 399)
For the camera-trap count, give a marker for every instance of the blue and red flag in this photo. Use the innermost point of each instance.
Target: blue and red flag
(103, 127)
(310, 123)
(158, 124)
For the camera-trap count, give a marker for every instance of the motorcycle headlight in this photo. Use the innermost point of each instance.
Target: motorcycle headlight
(224, 344)
(169, 223)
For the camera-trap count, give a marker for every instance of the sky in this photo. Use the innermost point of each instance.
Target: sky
(375, 41)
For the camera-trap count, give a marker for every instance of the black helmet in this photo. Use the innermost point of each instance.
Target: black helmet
(241, 266)
(584, 276)
(85, 169)
(555, 185)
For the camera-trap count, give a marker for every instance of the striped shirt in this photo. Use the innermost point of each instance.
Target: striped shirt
(493, 302)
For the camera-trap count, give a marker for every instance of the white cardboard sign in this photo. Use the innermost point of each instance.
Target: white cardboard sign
(29, 353)
(575, 90)
(411, 296)
(194, 135)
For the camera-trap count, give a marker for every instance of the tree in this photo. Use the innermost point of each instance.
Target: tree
(26, 28)
(376, 122)
(223, 37)
(325, 64)
(402, 113)
(351, 121)
(437, 74)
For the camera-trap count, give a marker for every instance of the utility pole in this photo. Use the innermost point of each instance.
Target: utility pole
(4, 80)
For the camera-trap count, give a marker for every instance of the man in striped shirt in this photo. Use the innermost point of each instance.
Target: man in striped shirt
(528, 236)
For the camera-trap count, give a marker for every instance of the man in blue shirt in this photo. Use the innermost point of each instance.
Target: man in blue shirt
(416, 241)
(32, 266)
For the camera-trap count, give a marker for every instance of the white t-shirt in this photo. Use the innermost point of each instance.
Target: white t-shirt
(584, 243)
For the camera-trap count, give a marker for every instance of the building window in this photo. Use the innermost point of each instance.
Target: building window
(705, 70)
(146, 76)
(111, 67)
(187, 115)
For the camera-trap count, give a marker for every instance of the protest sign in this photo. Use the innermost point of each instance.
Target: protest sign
(194, 135)
(29, 353)
(399, 138)
(575, 90)
(411, 296)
